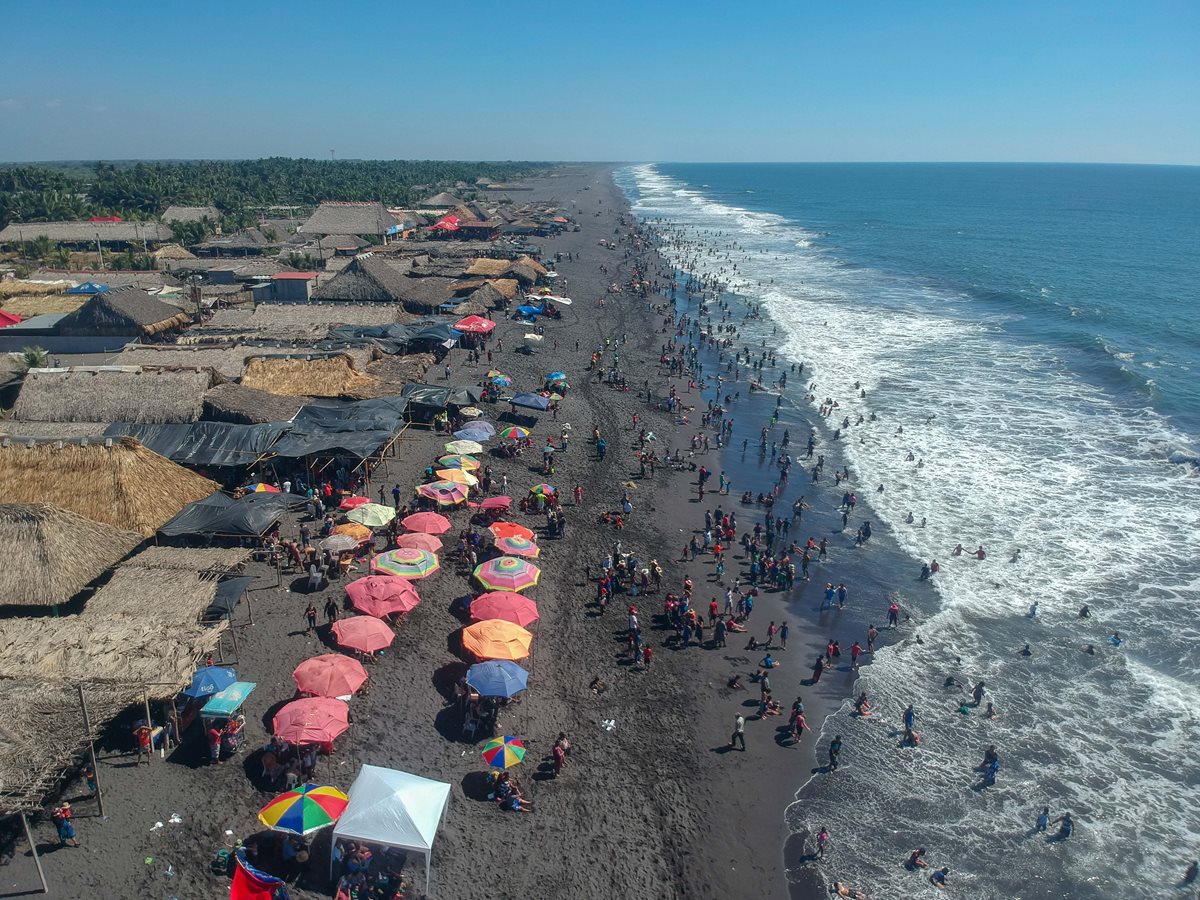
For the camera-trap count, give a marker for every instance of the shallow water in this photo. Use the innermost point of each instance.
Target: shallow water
(1060, 429)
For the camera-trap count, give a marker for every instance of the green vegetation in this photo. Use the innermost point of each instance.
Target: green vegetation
(239, 189)
(33, 358)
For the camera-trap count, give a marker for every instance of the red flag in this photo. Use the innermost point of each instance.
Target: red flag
(251, 884)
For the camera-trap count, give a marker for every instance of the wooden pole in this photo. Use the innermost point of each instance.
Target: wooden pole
(233, 635)
(149, 724)
(87, 724)
(37, 860)
(249, 608)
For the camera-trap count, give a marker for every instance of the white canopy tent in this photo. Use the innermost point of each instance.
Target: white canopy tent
(394, 809)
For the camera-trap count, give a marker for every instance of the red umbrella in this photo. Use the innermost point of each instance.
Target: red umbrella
(382, 595)
(364, 633)
(474, 325)
(351, 502)
(330, 675)
(313, 720)
(427, 523)
(419, 541)
(496, 503)
(504, 605)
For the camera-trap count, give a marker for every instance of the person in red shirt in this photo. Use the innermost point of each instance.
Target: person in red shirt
(712, 612)
(143, 741)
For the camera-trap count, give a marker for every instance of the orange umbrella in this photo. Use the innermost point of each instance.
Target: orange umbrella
(427, 523)
(330, 675)
(418, 541)
(360, 533)
(313, 720)
(364, 633)
(497, 639)
(510, 529)
(382, 595)
(504, 605)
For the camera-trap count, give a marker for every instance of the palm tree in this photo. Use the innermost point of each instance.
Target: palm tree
(33, 358)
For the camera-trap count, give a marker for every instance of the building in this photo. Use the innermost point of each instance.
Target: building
(191, 214)
(356, 218)
(115, 235)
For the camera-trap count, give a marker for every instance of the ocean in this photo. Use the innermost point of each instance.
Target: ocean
(1030, 335)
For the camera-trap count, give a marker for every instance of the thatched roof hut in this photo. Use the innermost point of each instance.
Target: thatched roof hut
(369, 278)
(53, 554)
(172, 251)
(393, 372)
(109, 395)
(444, 200)
(123, 311)
(87, 232)
(210, 561)
(488, 268)
(248, 406)
(333, 217)
(321, 376)
(55, 431)
(191, 214)
(123, 484)
(228, 362)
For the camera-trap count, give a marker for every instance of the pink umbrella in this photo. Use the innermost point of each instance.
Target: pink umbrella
(474, 325)
(427, 523)
(504, 605)
(496, 503)
(313, 720)
(352, 502)
(364, 633)
(382, 595)
(330, 675)
(419, 541)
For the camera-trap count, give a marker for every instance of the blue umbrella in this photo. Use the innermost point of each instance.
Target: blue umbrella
(557, 376)
(497, 678)
(210, 680)
(533, 401)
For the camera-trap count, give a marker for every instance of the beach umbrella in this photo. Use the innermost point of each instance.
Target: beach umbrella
(504, 605)
(427, 523)
(458, 461)
(364, 633)
(373, 515)
(474, 325)
(500, 502)
(210, 680)
(457, 476)
(492, 373)
(502, 381)
(339, 543)
(497, 639)
(543, 490)
(382, 595)
(313, 720)
(351, 502)
(329, 675)
(530, 401)
(514, 433)
(304, 809)
(515, 545)
(478, 435)
(406, 562)
(510, 529)
(556, 376)
(420, 542)
(497, 678)
(360, 533)
(471, 412)
(507, 573)
(556, 396)
(444, 493)
(259, 488)
(462, 446)
(503, 752)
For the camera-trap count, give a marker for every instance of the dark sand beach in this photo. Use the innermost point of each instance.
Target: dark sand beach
(653, 804)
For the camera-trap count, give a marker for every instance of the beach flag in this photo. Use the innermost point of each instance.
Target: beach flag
(251, 884)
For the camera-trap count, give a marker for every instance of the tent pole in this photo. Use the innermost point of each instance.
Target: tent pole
(249, 608)
(37, 860)
(149, 724)
(87, 724)
(237, 655)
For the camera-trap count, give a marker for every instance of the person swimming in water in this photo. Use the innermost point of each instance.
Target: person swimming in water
(1115, 639)
(1024, 651)
(1066, 826)
(1043, 820)
(1085, 611)
(917, 860)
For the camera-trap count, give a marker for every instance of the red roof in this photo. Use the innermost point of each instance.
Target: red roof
(105, 219)
(294, 276)
(7, 318)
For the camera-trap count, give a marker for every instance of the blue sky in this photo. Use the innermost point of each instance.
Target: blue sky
(664, 81)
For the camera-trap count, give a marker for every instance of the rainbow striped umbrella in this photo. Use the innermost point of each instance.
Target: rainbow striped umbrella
(444, 493)
(502, 381)
(516, 545)
(507, 573)
(259, 488)
(544, 490)
(305, 809)
(458, 461)
(457, 476)
(503, 752)
(406, 562)
(513, 433)
(493, 373)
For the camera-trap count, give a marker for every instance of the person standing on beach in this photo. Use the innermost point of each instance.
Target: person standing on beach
(835, 750)
(822, 842)
(739, 732)
(310, 614)
(783, 636)
(331, 611)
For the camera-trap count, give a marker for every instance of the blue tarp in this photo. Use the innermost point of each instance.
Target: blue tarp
(228, 701)
(531, 401)
(88, 287)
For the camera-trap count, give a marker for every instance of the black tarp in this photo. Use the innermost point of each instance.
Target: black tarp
(356, 429)
(250, 516)
(436, 334)
(229, 592)
(432, 395)
(204, 443)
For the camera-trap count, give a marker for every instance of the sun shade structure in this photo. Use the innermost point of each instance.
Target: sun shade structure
(457, 476)
(513, 433)
(394, 809)
(497, 639)
(406, 562)
(515, 545)
(426, 523)
(329, 675)
(474, 325)
(497, 678)
(507, 573)
(210, 680)
(52, 554)
(501, 503)
(510, 529)
(305, 809)
(458, 461)
(313, 720)
(359, 533)
(373, 515)
(530, 401)
(339, 543)
(363, 633)
(444, 493)
(419, 541)
(504, 605)
(382, 595)
(503, 752)
(352, 502)
(464, 447)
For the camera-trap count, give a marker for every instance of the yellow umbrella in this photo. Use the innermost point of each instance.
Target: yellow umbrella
(351, 529)
(497, 639)
(459, 476)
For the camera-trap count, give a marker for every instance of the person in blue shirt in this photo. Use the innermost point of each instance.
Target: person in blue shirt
(938, 878)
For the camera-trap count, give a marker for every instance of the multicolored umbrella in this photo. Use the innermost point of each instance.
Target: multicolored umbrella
(313, 720)
(210, 680)
(461, 446)
(457, 476)
(339, 543)
(304, 809)
(458, 461)
(360, 533)
(502, 381)
(504, 605)
(373, 515)
(497, 639)
(329, 675)
(515, 545)
(555, 396)
(497, 678)
(426, 523)
(444, 493)
(259, 488)
(406, 562)
(507, 573)
(492, 373)
(556, 376)
(514, 433)
(420, 542)
(352, 502)
(364, 633)
(544, 490)
(383, 595)
(510, 529)
(503, 752)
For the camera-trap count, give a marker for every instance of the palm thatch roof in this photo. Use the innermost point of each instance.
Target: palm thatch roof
(172, 251)
(444, 200)
(488, 268)
(40, 304)
(321, 376)
(108, 395)
(508, 287)
(248, 406)
(52, 554)
(212, 562)
(369, 278)
(121, 483)
(333, 217)
(123, 311)
(228, 362)
(58, 431)
(393, 372)
(87, 232)
(190, 214)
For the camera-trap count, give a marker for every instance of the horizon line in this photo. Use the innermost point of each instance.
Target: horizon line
(599, 162)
